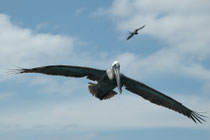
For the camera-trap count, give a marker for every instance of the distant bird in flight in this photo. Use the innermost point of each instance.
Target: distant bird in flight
(109, 79)
(135, 32)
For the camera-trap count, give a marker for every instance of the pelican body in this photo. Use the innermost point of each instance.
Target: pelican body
(108, 80)
(106, 84)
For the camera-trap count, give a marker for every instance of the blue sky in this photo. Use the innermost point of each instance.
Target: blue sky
(170, 54)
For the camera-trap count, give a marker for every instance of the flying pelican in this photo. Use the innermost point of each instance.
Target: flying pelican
(109, 79)
(135, 32)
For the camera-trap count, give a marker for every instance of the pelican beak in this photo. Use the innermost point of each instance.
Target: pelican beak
(117, 76)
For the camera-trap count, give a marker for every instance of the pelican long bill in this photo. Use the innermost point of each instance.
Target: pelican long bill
(117, 76)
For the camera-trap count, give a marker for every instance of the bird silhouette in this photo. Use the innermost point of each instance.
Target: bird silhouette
(135, 32)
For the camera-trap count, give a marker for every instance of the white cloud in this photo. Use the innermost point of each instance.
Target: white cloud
(41, 26)
(80, 10)
(121, 112)
(24, 47)
(21, 47)
(45, 26)
(161, 62)
(184, 27)
(52, 85)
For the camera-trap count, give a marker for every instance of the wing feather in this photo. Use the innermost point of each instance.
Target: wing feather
(159, 98)
(131, 35)
(68, 71)
(140, 28)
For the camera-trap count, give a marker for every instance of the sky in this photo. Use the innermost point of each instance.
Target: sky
(171, 54)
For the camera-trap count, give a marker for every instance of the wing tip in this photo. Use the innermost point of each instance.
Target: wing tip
(197, 118)
(17, 70)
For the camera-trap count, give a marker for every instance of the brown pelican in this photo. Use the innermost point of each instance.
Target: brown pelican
(109, 79)
(135, 32)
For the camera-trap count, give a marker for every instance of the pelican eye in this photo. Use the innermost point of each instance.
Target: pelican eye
(116, 65)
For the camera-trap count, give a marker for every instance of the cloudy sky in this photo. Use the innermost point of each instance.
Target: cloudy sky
(171, 54)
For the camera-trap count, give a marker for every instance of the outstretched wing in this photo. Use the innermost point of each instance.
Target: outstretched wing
(131, 34)
(140, 28)
(64, 70)
(159, 98)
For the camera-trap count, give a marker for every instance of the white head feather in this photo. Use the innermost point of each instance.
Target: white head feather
(110, 74)
(115, 63)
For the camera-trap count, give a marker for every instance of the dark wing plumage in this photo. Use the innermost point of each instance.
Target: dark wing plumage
(131, 35)
(140, 28)
(159, 98)
(64, 70)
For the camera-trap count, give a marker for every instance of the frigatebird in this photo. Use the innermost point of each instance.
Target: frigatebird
(135, 32)
(108, 80)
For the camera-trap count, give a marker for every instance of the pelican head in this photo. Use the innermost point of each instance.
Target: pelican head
(116, 71)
